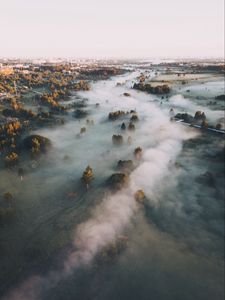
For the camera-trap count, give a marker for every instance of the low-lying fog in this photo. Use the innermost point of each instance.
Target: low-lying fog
(174, 242)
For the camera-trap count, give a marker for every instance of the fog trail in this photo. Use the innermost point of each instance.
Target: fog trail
(179, 101)
(161, 141)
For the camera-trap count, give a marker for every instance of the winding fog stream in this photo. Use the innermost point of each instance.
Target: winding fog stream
(174, 242)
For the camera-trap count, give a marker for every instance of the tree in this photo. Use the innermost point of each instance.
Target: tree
(11, 159)
(88, 175)
(218, 126)
(204, 124)
(123, 126)
(117, 139)
(138, 153)
(139, 196)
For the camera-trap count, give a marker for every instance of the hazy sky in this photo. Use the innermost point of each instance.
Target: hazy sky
(111, 28)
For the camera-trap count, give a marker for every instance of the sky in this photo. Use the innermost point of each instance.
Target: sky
(112, 28)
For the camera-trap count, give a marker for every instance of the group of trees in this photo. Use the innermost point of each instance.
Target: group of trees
(117, 179)
(11, 143)
(7, 84)
(37, 143)
(58, 90)
(158, 90)
(101, 73)
(50, 99)
(81, 85)
(21, 113)
(198, 119)
(10, 135)
(53, 78)
(116, 114)
(220, 97)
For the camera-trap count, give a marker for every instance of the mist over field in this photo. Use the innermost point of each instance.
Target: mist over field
(112, 150)
(95, 243)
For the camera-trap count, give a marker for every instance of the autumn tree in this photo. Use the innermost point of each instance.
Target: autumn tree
(88, 176)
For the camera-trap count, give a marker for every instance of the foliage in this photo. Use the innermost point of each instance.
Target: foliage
(88, 175)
